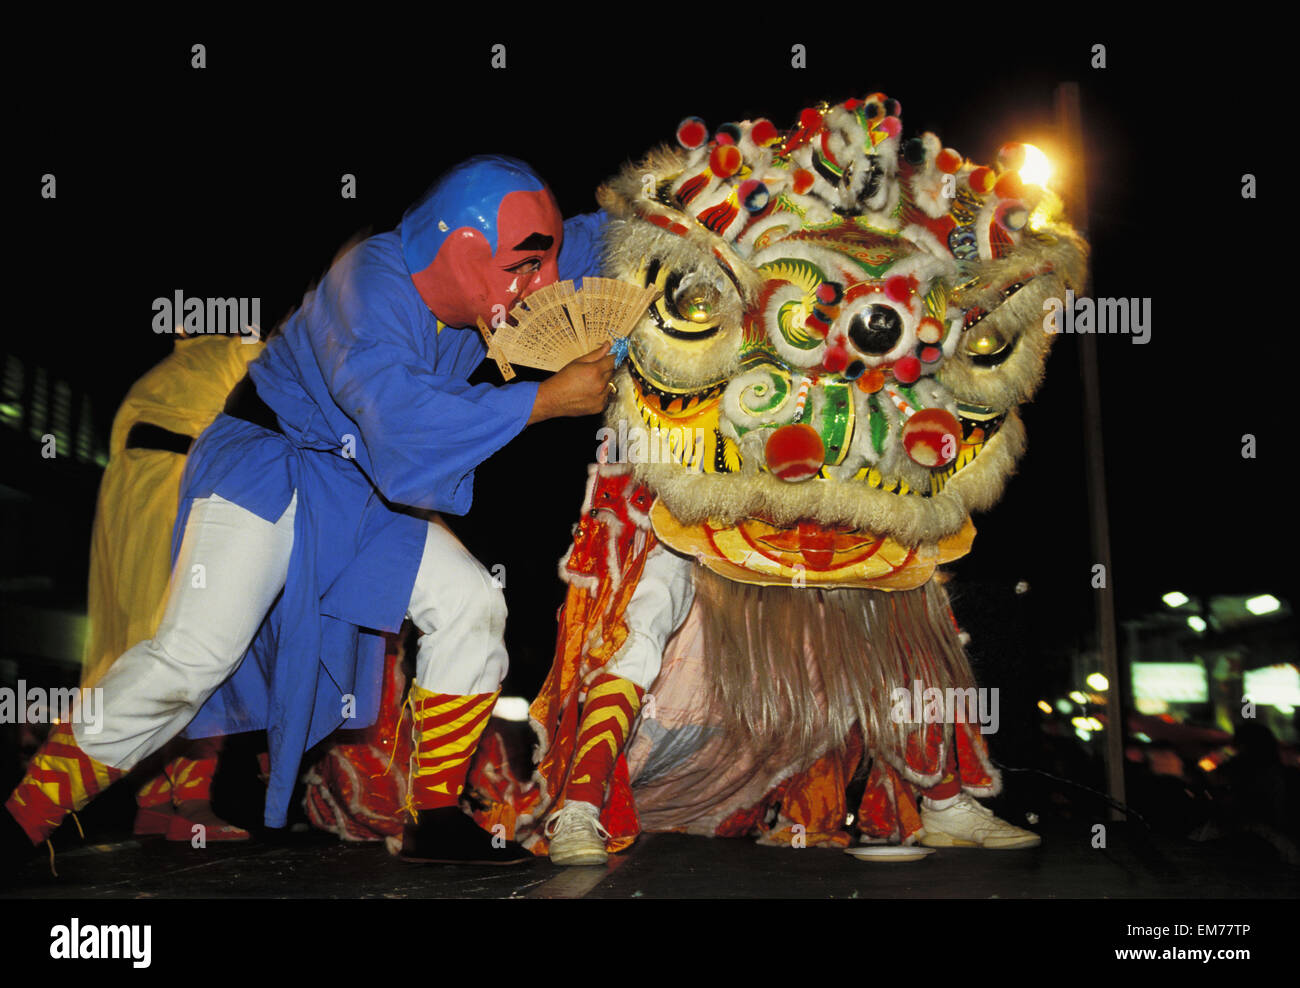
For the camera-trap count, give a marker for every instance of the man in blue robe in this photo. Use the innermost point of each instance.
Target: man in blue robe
(308, 521)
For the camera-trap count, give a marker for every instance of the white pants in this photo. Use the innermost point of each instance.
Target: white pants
(658, 607)
(230, 568)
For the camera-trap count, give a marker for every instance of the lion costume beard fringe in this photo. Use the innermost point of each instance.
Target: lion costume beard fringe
(802, 666)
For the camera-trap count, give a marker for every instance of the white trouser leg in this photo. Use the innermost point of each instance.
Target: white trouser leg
(461, 616)
(230, 568)
(658, 606)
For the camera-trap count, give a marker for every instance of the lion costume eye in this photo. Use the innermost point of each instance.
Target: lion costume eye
(695, 301)
(691, 304)
(987, 347)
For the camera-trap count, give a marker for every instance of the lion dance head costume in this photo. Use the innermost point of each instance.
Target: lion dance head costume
(823, 393)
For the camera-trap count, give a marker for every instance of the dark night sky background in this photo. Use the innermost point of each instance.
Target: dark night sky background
(226, 182)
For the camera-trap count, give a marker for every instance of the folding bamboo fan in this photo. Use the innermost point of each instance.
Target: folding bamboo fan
(557, 324)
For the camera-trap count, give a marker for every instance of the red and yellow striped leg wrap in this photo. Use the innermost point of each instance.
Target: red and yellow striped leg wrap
(446, 732)
(61, 779)
(154, 806)
(607, 716)
(155, 793)
(191, 778)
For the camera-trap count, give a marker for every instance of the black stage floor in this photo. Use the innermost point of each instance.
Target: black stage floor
(1134, 864)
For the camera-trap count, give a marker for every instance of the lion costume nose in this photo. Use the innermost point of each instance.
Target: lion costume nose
(795, 452)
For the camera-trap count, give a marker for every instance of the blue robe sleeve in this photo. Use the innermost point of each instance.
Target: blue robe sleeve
(422, 427)
(580, 254)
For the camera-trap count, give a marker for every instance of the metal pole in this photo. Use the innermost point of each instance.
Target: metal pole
(1069, 119)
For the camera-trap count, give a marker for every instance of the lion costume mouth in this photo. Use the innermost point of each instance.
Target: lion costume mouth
(847, 324)
(668, 413)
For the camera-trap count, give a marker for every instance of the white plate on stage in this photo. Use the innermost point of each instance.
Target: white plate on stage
(888, 852)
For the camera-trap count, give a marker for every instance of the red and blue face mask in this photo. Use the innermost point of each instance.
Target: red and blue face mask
(487, 234)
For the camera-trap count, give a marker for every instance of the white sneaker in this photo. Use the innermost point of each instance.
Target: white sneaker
(576, 836)
(966, 823)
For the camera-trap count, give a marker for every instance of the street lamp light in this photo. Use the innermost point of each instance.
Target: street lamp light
(1263, 604)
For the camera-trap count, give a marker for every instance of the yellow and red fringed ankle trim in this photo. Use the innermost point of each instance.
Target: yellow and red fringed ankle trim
(445, 732)
(60, 779)
(607, 716)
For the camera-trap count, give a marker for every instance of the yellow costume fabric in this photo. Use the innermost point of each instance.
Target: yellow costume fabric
(130, 548)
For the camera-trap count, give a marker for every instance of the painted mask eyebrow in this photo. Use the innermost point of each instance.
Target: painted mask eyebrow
(535, 241)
